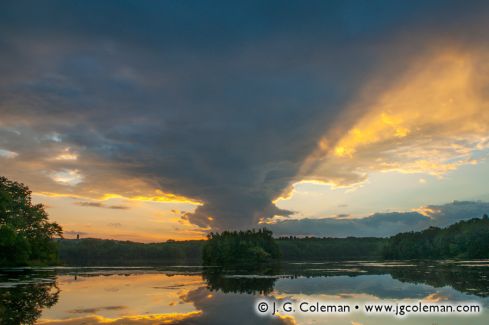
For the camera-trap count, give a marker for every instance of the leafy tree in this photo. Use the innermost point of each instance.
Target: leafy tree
(246, 248)
(26, 235)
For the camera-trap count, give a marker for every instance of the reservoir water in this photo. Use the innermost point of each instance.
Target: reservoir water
(195, 295)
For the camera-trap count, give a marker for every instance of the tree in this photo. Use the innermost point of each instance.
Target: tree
(26, 234)
(247, 248)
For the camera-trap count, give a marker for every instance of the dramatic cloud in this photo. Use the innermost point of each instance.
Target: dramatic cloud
(432, 120)
(382, 224)
(226, 106)
(377, 225)
(446, 214)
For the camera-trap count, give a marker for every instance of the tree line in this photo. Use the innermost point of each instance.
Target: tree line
(313, 248)
(91, 251)
(465, 239)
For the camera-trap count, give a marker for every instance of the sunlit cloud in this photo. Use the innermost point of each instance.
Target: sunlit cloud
(8, 154)
(158, 196)
(70, 177)
(436, 100)
(432, 120)
(426, 211)
(291, 190)
(66, 154)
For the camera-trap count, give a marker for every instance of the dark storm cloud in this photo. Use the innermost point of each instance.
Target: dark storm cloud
(219, 102)
(383, 224)
(377, 225)
(446, 214)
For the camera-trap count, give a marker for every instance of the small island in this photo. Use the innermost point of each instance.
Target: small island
(244, 248)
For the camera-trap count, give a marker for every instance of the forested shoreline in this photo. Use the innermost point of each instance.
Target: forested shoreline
(465, 239)
(91, 251)
(106, 252)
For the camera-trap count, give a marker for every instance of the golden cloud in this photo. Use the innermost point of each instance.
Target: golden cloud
(431, 120)
(158, 196)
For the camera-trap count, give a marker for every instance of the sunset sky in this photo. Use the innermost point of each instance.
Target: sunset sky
(148, 121)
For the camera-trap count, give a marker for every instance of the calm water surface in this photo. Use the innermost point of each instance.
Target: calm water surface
(194, 295)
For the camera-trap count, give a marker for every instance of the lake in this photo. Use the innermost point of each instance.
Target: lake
(196, 295)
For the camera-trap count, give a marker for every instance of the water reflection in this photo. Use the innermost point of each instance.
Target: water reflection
(192, 295)
(257, 283)
(24, 295)
(464, 278)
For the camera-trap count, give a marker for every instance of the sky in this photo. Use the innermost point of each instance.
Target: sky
(148, 121)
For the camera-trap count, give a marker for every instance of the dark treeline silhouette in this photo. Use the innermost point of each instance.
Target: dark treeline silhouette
(89, 251)
(311, 248)
(240, 248)
(464, 239)
(25, 231)
(92, 251)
